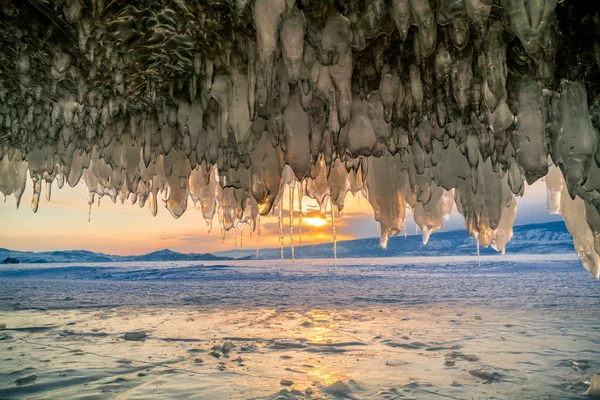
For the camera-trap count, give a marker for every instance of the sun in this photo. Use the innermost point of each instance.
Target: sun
(315, 221)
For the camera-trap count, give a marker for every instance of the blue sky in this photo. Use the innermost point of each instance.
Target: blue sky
(126, 229)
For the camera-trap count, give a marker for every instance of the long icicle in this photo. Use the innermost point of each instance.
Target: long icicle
(291, 215)
(281, 227)
(258, 235)
(242, 241)
(300, 195)
(48, 190)
(222, 224)
(90, 199)
(333, 212)
(37, 190)
(478, 256)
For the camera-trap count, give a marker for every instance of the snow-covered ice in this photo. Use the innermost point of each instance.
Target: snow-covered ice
(516, 327)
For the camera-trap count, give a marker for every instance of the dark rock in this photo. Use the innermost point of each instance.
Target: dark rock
(26, 380)
(135, 336)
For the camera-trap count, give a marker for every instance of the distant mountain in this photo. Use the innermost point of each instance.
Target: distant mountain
(170, 255)
(84, 256)
(545, 238)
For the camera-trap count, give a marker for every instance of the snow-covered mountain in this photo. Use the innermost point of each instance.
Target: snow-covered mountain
(544, 238)
(83, 256)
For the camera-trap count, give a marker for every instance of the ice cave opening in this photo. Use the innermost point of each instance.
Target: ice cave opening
(427, 104)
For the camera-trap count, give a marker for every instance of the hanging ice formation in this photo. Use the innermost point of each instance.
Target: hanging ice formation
(422, 103)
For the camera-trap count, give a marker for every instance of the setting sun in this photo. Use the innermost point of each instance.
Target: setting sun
(315, 221)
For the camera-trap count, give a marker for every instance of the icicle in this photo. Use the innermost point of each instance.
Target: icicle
(37, 189)
(281, 226)
(91, 197)
(221, 216)
(242, 241)
(235, 237)
(478, 255)
(300, 195)
(258, 235)
(48, 190)
(153, 201)
(404, 227)
(291, 214)
(99, 198)
(333, 212)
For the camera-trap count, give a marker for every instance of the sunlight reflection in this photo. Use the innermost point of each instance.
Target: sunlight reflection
(320, 335)
(326, 378)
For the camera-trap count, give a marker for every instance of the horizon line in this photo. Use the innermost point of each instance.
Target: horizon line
(265, 248)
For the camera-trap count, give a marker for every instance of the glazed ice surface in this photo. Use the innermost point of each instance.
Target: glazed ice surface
(405, 328)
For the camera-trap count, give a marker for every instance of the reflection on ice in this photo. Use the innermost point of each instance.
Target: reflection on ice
(325, 378)
(319, 334)
(380, 352)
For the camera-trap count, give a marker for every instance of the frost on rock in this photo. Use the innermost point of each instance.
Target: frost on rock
(416, 104)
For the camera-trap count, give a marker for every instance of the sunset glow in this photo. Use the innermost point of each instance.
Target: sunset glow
(315, 221)
(110, 227)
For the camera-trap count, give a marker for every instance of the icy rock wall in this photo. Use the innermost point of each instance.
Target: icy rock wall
(424, 104)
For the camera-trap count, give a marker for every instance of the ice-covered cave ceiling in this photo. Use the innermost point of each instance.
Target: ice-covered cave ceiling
(415, 103)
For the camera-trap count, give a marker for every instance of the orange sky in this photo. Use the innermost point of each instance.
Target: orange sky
(126, 229)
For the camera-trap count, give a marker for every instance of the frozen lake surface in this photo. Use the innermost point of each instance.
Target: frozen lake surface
(518, 281)
(519, 327)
